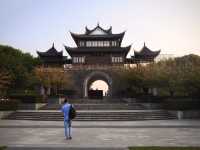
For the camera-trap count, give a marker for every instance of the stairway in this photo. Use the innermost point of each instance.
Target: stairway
(97, 110)
(93, 115)
(102, 106)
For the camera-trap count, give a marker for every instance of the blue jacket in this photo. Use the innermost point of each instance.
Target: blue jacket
(65, 109)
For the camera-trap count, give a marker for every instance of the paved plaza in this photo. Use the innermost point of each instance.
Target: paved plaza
(49, 134)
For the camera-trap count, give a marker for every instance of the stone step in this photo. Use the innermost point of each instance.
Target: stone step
(96, 119)
(49, 147)
(91, 113)
(93, 116)
(96, 101)
(89, 116)
(111, 106)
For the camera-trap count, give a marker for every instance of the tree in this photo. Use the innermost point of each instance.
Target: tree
(179, 75)
(129, 81)
(53, 78)
(5, 81)
(190, 65)
(170, 76)
(19, 66)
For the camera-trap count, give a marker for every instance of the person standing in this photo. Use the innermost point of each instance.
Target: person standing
(67, 121)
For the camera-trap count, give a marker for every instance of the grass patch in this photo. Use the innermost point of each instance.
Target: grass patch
(2, 147)
(164, 148)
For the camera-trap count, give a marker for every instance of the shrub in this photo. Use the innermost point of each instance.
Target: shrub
(8, 104)
(182, 104)
(164, 148)
(27, 98)
(3, 147)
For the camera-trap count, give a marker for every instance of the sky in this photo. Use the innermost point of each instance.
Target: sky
(170, 25)
(100, 85)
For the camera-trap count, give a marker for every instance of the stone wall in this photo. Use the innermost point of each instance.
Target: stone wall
(5, 113)
(83, 78)
(32, 106)
(187, 114)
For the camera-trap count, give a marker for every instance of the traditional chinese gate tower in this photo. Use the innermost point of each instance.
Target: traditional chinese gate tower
(98, 52)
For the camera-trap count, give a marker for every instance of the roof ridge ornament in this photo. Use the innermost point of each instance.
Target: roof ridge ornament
(53, 45)
(86, 29)
(98, 27)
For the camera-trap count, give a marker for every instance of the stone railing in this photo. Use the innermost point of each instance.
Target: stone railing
(95, 67)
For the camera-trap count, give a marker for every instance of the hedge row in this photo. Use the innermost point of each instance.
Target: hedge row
(9, 105)
(187, 104)
(163, 148)
(172, 103)
(27, 98)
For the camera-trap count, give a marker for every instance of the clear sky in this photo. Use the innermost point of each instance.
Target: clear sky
(170, 25)
(100, 85)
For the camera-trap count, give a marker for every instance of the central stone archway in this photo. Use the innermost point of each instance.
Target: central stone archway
(97, 75)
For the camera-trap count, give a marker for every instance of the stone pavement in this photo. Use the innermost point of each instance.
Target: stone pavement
(99, 135)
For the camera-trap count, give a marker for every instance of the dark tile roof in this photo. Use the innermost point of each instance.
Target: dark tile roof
(134, 60)
(54, 59)
(73, 50)
(89, 36)
(145, 52)
(50, 52)
(78, 37)
(107, 31)
(97, 37)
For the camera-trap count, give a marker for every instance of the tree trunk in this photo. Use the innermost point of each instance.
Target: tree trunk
(171, 93)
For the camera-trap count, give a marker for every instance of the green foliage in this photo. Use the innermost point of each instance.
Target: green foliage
(128, 84)
(28, 97)
(19, 67)
(164, 148)
(5, 81)
(181, 104)
(53, 78)
(179, 76)
(3, 147)
(191, 74)
(8, 105)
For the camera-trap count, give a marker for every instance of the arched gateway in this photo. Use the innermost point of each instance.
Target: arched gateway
(97, 75)
(98, 52)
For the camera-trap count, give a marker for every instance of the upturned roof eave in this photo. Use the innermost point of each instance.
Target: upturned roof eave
(76, 36)
(60, 54)
(89, 31)
(145, 51)
(152, 54)
(100, 49)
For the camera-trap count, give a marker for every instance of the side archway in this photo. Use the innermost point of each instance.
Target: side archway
(97, 75)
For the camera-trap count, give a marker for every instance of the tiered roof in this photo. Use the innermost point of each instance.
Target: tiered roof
(52, 52)
(145, 53)
(74, 50)
(97, 33)
(88, 31)
(101, 35)
(52, 56)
